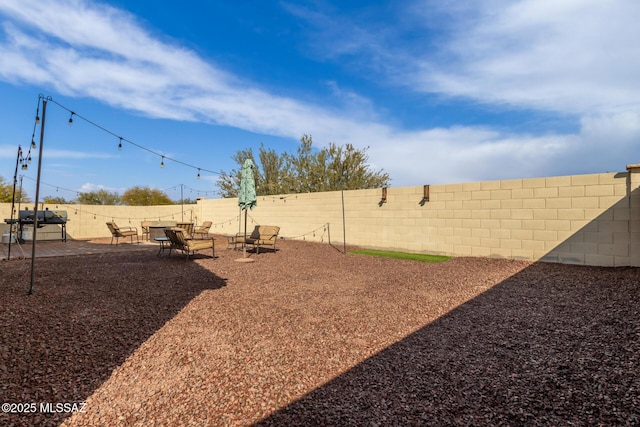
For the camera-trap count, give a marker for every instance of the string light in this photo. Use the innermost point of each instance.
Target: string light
(77, 193)
(33, 141)
(129, 141)
(313, 233)
(71, 118)
(23, 164)
(25, 161)
(38, 112)
(191, 189)
(198, 177)
(162, 162)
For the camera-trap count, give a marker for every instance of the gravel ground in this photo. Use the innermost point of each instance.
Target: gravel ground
(309, 336)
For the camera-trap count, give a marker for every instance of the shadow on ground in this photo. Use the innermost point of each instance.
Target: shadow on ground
(87, 315)
(547, 346)
(57, 248)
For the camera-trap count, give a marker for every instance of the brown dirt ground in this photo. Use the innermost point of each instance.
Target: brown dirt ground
(310, 336)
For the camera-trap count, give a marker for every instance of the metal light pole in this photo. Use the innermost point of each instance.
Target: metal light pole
(344, 225)
(182, 202)
(20, 193)
(13, 201)
(35, 208)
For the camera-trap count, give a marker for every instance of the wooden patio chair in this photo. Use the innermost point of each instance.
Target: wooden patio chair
(203, 229)
(261, 236)
(144, 225)
(117, 232)
(187, 227)
(179, 240)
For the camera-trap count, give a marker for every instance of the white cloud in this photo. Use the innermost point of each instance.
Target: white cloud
(463, 154)
(572, 56)
(575, 57)
(89, 187)
(8, 151)
(71, 154)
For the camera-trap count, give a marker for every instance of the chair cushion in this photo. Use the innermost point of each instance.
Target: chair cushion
(195, 245)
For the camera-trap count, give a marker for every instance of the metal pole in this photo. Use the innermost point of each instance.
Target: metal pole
(244, 242)
(182, 202)
(13, 202)
(20, 198)
(344, 227)
(35, 208)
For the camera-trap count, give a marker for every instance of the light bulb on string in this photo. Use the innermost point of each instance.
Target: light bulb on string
(70, 121)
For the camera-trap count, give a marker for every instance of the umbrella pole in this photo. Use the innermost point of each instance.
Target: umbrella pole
(244, 242)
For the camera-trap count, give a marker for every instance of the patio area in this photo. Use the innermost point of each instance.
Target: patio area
(56, 248)
(307, 335)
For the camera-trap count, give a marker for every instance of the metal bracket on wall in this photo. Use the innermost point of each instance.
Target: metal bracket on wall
(425, 195)
(383, 200)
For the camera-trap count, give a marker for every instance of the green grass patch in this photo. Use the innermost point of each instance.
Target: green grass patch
(402, 255)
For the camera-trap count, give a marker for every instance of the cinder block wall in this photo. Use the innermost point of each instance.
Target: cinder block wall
(89, 221)
(581, 219)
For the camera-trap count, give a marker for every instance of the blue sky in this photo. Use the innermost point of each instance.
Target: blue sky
(440, 91)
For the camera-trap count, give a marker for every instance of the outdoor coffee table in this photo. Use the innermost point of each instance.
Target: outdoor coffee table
(164, 244)
(231, 242)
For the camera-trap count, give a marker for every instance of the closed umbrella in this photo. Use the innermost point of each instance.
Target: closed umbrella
(247, 198)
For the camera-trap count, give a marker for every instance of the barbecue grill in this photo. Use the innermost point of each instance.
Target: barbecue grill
(46, 217)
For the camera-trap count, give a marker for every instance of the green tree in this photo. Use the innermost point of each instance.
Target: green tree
(145, 196)
(347, 166)
(6, 193)
(186, 201)
(57, 200)
(229, 183)
(331, 168)
(274, 176)
(100, 197)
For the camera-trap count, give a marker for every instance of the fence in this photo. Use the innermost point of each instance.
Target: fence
(580, 219)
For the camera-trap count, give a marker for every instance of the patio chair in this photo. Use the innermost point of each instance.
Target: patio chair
(144, 225)
(203, 229)
(187, 227)
(117, 232)
(178, 239)
(261, 236)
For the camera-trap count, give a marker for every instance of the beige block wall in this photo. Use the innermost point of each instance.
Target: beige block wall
(89, 221)
(582, 219)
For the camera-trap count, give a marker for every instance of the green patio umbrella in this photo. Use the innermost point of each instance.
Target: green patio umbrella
(247, 198)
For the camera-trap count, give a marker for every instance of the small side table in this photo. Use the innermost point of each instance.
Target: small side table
(164, 245)
(231, 242)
